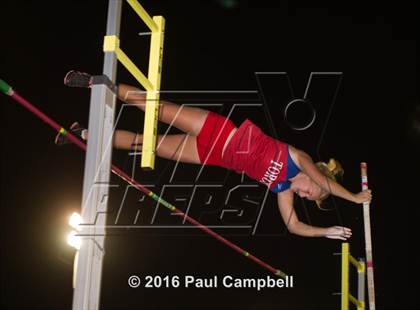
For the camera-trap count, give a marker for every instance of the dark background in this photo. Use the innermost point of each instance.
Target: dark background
(212, 45)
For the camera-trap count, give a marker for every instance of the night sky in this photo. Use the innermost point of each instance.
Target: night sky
(215, 45)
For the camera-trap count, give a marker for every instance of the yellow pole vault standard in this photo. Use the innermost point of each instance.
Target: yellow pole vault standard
(157, 27)
(344, 276)
(152, 97)
(151, 83)
(346, 259)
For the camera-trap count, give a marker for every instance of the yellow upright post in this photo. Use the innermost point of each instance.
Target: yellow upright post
(151, 83)
(157, 28)
(345, 276)
(152, 97)
(346, 297)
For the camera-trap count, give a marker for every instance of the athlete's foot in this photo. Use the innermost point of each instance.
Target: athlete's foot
(77, 79)
(76, 129)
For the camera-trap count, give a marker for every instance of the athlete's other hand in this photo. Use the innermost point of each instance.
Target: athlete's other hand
(338, 232)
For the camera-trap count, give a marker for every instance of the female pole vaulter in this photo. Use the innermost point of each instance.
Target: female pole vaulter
(212, 139)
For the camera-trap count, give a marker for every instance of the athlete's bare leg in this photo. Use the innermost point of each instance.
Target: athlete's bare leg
(185, 118)
(180, 147)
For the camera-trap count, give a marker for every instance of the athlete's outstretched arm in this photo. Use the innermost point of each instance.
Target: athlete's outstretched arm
(308, 167)
(287, 211)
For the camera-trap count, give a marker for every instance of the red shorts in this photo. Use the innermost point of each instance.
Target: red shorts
(212, 138)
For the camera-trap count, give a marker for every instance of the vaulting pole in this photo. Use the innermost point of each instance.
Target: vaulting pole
(368, 240)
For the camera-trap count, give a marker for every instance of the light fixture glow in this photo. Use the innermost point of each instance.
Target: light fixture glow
(75, 221)
(73, 240)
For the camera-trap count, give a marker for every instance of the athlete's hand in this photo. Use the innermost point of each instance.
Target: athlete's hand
(363, 196)
(338, 232)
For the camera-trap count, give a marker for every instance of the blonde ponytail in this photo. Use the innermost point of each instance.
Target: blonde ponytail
(332, 170)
